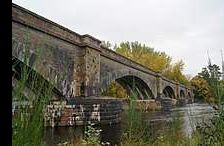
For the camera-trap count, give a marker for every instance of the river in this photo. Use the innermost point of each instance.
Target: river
(191, 115)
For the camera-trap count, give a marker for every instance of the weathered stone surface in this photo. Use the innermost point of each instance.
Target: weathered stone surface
(98, 110)
(166, 104)
(148, 105)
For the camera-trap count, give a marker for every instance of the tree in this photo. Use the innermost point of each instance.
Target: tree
(212, 75)
(175, 72)
(115, 90)
(204, 73)
(202, 90)
(154, 60)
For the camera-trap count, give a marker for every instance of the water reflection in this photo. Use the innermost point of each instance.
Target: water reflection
(190, 115)
(53, 136)
(56, 135)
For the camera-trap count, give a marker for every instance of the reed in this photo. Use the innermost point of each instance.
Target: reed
(30, 95)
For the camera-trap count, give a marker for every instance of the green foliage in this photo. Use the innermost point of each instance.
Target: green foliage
(115, 90)
(202, 90)
(175, 72)
(171, 134)
(212, 133)
(221, 92)
(136, 131)
(154, 60)
(208, 85)
(27, 122)
(92, 135)
(30, 95)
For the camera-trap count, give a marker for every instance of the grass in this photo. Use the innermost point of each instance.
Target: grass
(171, 135)
(30, 95)
(28, 124)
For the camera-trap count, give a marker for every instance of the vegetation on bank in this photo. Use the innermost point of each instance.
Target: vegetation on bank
(208, 85)
(30, 95)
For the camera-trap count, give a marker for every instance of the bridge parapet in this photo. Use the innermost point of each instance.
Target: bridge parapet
(30, 19)
(108, 53)
(168, 80)
(91, 41)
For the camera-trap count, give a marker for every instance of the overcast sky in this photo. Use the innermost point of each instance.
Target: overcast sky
(184, 29)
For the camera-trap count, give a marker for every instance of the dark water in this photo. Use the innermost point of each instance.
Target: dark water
(53, 136)
(191, 115)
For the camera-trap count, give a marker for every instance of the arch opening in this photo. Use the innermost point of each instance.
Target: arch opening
(134, 86)
(34, 85)
(182, 95)
(168, 92)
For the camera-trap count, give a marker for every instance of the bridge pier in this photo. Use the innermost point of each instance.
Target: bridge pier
(159, 86)
(92, 71)
(103, 110)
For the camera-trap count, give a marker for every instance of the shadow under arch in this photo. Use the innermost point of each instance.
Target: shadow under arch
(34, 81)
(182, 94)
(135, 85)
(169, 92)
(189, 95)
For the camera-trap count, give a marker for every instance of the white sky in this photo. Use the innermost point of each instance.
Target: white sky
(184, 29)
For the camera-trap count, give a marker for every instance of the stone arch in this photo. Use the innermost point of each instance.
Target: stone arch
(136, 85)
(168, 91)
(107, 78)
(182, 94)
(32, 80)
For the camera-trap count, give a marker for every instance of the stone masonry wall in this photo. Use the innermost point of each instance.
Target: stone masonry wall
(111, 70)
(92, 69)
(104, 110)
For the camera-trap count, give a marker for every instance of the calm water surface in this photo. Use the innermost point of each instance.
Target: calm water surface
(190, 114)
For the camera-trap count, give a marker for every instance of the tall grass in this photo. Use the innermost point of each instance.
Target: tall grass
(30, 95)
(207, 133)
(212, 132)
(136, 131)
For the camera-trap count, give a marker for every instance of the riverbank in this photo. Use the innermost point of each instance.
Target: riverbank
(156, 128)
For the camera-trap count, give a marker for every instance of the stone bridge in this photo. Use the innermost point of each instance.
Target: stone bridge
(79, 65)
